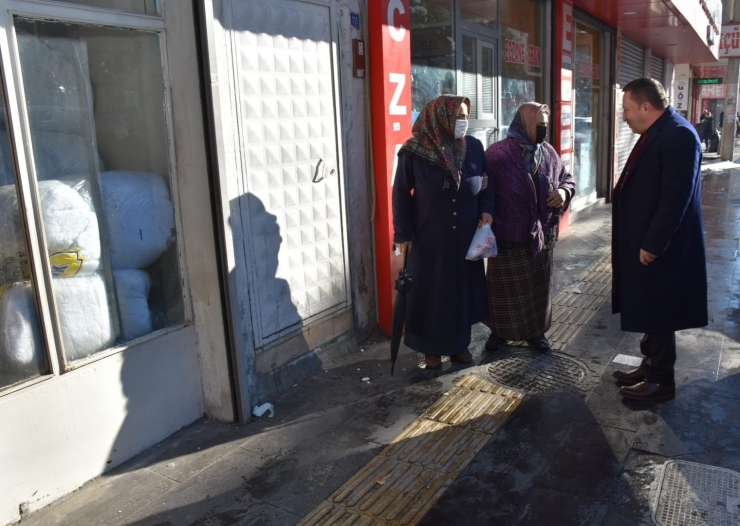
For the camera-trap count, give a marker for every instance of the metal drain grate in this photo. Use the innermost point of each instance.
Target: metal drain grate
(693, 494)
(536, 372)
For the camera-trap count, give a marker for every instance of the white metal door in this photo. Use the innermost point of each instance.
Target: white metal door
(288, 120)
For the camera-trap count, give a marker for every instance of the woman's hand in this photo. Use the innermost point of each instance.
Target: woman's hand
(485, 219)
(557, 198)
(484, 182)
(404, 247)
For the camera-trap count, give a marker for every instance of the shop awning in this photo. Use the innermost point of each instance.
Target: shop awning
(682, 31)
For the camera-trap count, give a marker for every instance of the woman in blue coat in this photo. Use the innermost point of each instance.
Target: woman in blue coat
(439, 200)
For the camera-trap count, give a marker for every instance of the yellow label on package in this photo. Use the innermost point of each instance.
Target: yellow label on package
(68, 263)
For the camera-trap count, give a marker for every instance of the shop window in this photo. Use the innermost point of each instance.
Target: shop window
(523, 44)
(141, 7)
(22, 353)
(95, 103)
(432, 52)
(481, 12)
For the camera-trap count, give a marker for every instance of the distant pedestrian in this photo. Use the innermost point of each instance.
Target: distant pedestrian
(708, 128)
(533, 188)
(439, 200)
(658, 259)
(721, 119)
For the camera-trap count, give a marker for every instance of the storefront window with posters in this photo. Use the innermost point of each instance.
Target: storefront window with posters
(522, 45)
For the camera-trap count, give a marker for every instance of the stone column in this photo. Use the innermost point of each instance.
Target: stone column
(730, 14)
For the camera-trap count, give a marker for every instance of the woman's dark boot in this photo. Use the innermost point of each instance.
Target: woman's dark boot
(433, 362)
(494, 343)
(540, 343)
(464, 357)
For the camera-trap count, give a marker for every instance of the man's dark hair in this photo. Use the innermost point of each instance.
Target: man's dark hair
(647, 90)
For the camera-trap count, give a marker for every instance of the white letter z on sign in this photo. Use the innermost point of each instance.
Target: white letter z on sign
(399, 79)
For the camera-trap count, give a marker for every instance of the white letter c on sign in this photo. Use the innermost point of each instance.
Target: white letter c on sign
(397, 32)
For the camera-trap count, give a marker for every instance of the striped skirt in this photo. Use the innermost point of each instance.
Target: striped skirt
(519, 294)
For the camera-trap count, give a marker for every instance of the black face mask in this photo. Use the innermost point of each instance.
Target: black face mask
(541, 134)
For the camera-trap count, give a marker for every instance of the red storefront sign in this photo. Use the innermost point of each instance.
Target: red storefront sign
(516, 52)
(563, 111)
(390, 64)
(589, 70)
(729, 44)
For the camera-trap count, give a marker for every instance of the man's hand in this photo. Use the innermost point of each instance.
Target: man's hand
(557, 198)
(485, 219)
(484, 182)
(646, 257)
(404, 247)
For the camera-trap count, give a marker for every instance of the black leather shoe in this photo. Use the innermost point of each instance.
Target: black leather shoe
(539, 342)
(494, 343)
(647, 392)
(632, 377)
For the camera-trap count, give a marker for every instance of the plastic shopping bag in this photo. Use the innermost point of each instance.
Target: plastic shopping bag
(483, 245)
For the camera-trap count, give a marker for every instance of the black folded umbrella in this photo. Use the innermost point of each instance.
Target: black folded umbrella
(403, 285)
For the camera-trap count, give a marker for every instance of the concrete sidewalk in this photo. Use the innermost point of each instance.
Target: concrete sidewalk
(568, 454)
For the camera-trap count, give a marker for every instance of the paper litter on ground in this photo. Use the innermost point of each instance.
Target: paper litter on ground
(626, 359)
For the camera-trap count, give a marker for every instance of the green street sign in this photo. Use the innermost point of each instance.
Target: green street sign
(714, 80)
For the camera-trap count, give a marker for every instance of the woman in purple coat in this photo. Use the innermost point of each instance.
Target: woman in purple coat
(533, 189)
(439, 199)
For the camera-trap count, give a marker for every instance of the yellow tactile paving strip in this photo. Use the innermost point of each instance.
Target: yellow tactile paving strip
(400, 485)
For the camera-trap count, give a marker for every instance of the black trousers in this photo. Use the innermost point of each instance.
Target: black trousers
(660, 357)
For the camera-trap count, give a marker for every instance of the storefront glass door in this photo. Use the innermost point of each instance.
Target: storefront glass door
(587, 101)
(479, 82)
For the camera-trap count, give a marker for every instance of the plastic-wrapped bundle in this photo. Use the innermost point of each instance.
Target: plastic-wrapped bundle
(139, 216)
(84, 315)
(132, 293)
(20, 342)
(70, 224)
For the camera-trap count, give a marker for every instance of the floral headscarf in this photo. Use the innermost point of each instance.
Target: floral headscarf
(434, 134)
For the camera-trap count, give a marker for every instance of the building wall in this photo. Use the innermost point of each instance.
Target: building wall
(61, 431)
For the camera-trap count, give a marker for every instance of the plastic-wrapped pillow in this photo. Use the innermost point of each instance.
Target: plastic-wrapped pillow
(84, 315)
(21, 346)
(139, 216)
(70, 225)
(132, 294)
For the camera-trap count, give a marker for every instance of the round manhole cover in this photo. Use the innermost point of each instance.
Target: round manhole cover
(536, 372)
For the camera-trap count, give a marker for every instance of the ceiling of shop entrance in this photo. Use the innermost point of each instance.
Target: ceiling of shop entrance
(659, 25)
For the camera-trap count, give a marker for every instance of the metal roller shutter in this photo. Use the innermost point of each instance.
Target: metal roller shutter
(631, 67)
(657, 69)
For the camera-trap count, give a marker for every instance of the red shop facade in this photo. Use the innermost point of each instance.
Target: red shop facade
(572, 55)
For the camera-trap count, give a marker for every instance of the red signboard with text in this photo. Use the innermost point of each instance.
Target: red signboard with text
(390, 72)
(563, 118)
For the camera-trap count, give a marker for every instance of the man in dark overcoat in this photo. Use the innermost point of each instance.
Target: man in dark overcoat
(658, 254)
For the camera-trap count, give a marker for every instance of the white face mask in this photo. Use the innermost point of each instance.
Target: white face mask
(461, 126)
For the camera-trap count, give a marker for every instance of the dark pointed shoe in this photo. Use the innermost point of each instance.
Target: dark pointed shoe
(433, 362)
(635, 376)
(540, 343)
(494, 343)
(648, 392)
(464, 357)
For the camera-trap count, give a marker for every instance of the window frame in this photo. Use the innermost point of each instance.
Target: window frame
(20, 140)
